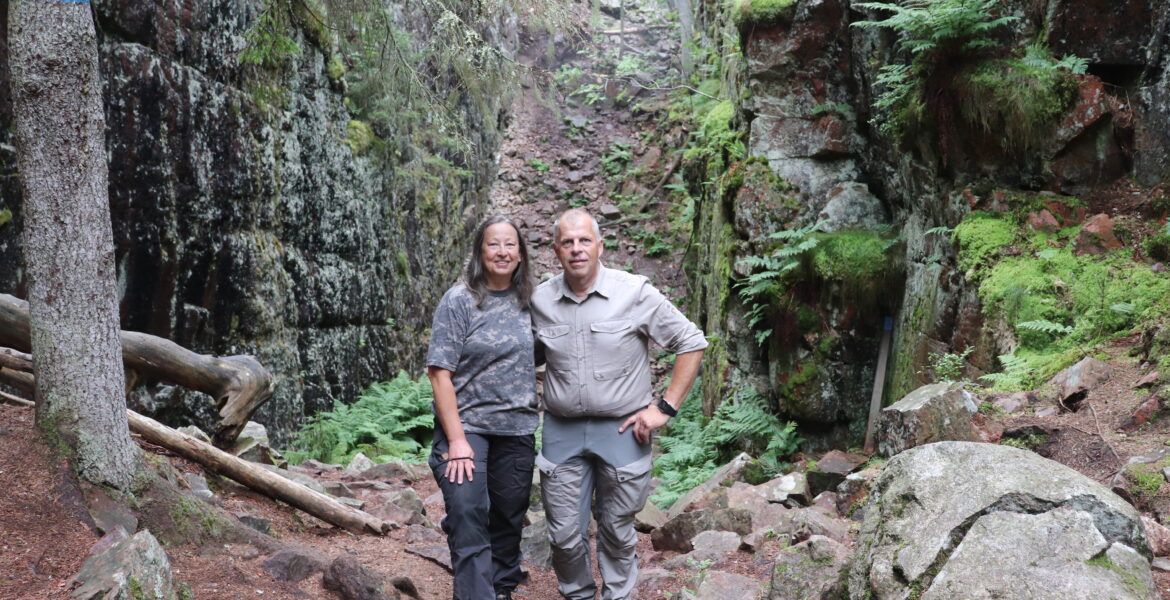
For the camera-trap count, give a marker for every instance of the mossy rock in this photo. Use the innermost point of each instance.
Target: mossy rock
(747, 14)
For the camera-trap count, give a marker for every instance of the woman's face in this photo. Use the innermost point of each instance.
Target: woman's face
(501, 254)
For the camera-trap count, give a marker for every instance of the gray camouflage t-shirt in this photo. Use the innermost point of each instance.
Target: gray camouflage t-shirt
(489, 352)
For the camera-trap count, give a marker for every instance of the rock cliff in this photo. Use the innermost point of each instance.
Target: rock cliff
(251, 215)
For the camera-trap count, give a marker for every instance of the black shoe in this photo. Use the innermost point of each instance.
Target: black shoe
(503, 594)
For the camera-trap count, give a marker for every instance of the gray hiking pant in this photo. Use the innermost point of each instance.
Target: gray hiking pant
(579, 458)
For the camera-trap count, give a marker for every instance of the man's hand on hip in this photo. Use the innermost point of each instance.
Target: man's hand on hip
(644, 423)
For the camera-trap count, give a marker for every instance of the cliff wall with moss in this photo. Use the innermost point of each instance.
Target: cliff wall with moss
(871, 177)
(257, 208)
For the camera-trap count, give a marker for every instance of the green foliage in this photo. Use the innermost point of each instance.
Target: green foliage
(539, 165)
(5, 216)
(1059, 304)
(949, 366)
(981, 236)
(753, 13)
(772, 272)
(1018, 101)
(267, 43)
(694, 446)
(1013, 101)
(391, 420)
(616, 158)
(857, 258)
(1157, 246)
(359, 136)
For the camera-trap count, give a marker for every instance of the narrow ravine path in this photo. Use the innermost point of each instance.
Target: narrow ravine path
(581, 137)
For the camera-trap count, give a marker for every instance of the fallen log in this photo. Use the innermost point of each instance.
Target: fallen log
(247, 473)
(239, 384)
(262, 480)
(18, 379)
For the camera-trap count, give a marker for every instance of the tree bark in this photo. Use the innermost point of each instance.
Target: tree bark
(68, 240)
(239, 384)
(258, 478)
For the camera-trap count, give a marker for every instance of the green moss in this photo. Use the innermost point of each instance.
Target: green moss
(359, 136)
(1129, 579)
(5, 216)
(857, 258)
(756, 13)
(1157, 246)
(335, 69)
(717, 121)
(981, 236)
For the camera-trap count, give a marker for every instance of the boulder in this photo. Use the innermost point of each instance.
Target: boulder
(1075, 382)
(1097, 236)
(852, 206)
(678, 532)
(1013, 403)
(831, 470)
(789, 488)
(649, 518)
(764, 514)
(931, 413)
(698, 497)
(711, 547)
(295, 564)
(439, 554)
(1157, 535)
(981, 521)
(352, 581)
(358, 464)
(395, 471)
(718, 585)
(815, 569)
(534, 544)
(128, 569)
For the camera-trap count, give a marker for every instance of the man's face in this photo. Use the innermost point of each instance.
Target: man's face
(578, 249)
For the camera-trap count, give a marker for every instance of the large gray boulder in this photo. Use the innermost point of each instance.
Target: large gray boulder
(932, 413)
(981, 521)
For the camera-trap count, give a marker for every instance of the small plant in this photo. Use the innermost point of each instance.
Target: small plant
(539, 166)
(616, 158)
(949, 366)
(1027, 442)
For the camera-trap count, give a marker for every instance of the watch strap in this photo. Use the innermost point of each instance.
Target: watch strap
(666, 408)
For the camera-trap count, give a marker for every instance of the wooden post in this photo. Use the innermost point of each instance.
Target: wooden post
(879, 383)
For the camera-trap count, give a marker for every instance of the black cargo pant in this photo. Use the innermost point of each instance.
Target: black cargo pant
(485, 516)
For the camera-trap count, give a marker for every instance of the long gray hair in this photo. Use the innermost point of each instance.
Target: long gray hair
(476, 279)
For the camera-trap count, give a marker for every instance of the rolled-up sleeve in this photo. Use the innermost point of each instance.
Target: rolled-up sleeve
(663, 322)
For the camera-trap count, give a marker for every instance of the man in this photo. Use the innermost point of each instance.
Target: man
(594, 324)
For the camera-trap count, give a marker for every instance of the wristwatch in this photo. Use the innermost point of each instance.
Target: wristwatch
(666, 408)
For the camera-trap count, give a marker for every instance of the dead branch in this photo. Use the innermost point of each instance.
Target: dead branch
(9, 398)
(17, 379)
(239, 384)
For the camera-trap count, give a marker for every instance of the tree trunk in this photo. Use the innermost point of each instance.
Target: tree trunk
(686, 30)
(239, 384)
(68, 240)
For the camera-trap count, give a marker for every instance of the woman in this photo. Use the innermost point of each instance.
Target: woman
(480, 363)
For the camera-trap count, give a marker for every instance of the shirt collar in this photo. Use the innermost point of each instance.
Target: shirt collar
(601, 286)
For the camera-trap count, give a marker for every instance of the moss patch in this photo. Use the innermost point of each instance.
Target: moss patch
(758, 13)
(981, 236)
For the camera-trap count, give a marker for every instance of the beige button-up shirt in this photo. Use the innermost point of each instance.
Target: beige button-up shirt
(596, 347)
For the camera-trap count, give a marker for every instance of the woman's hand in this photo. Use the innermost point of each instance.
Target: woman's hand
(460, 461)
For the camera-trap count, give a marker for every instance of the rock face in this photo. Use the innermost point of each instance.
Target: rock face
(243, 220)
(982, 521)
(808, 83)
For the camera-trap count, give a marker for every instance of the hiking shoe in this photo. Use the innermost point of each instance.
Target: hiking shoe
(504, 595)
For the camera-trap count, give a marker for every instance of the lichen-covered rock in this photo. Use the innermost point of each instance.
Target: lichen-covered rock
(815, 569)
(932, 413)
(133, 568)
(962, 519)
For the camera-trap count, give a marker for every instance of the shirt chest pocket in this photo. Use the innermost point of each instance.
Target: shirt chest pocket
(558, 344)
(613, 347)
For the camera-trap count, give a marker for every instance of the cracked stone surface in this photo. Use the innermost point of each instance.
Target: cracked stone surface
(938, 511)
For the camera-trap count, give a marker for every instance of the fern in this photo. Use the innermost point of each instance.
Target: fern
(1045, 327)
(1015, 372)
(694, 445)
(391, 420)
(765, 284)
